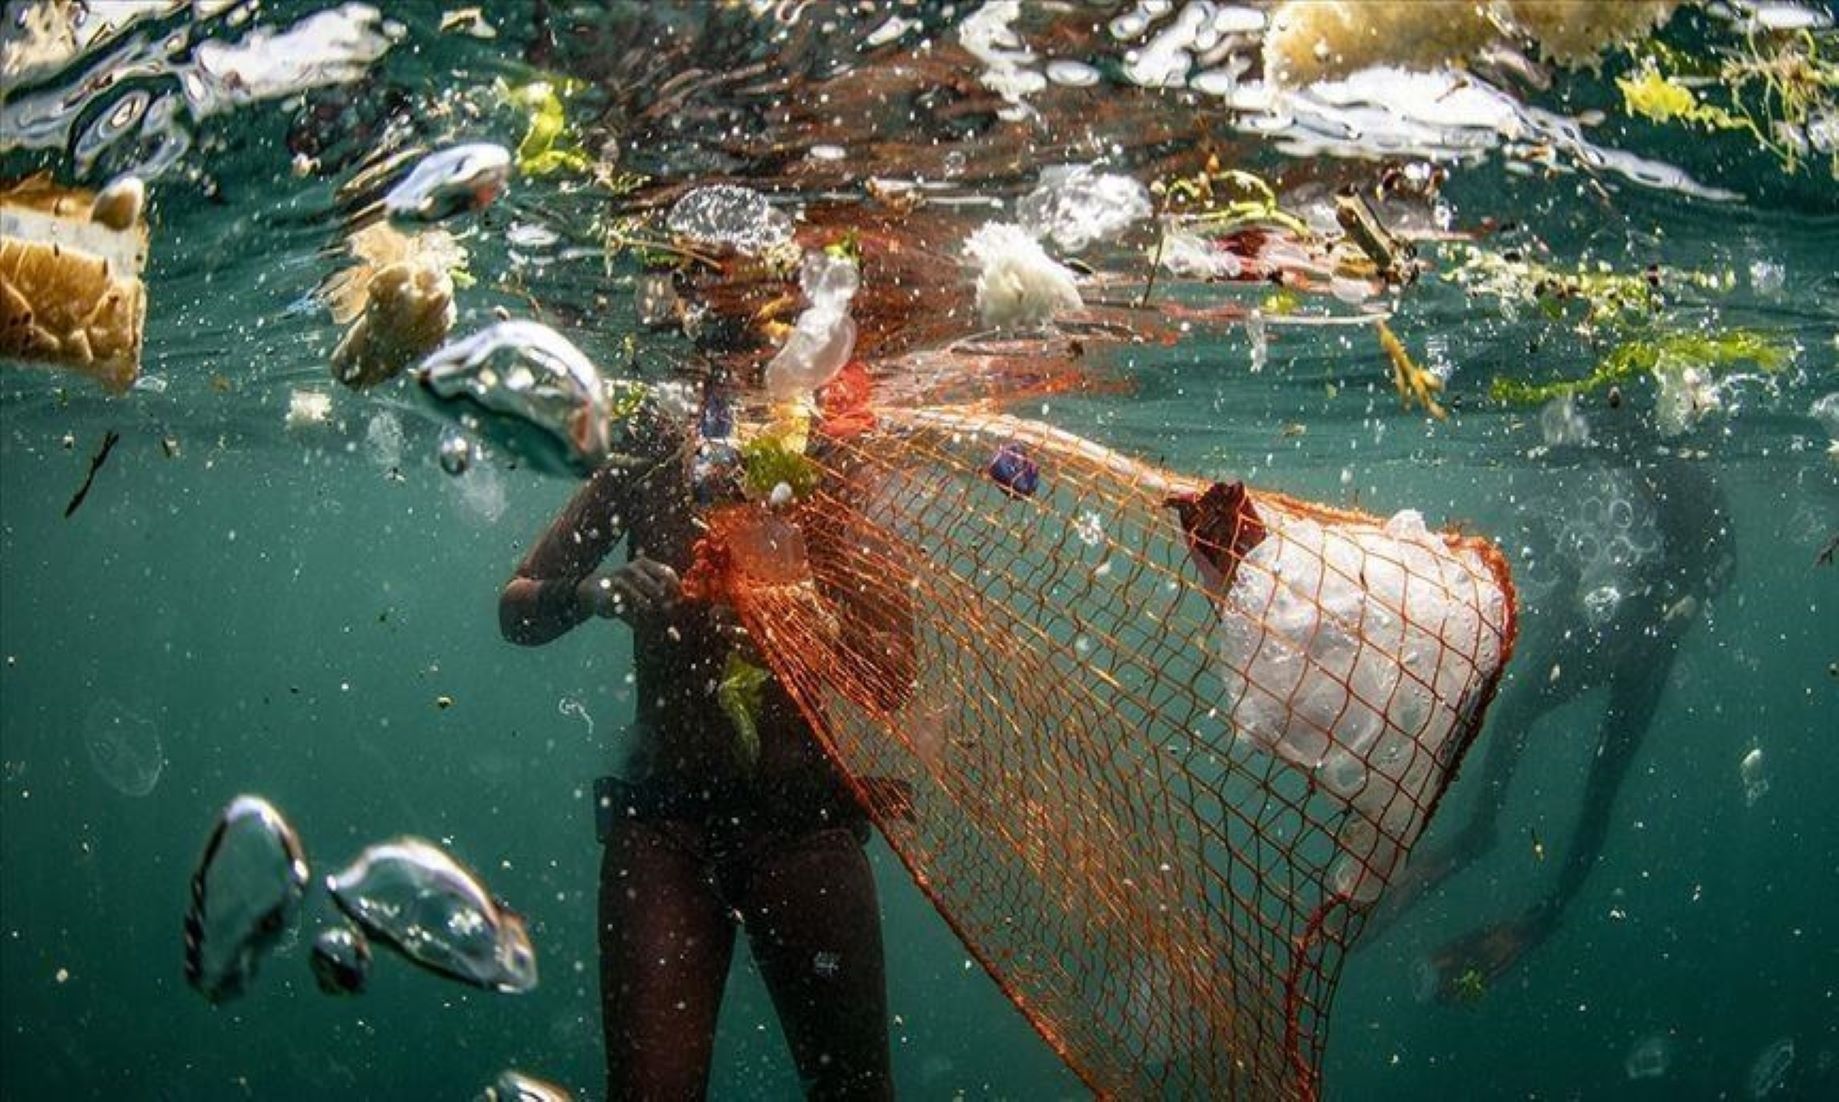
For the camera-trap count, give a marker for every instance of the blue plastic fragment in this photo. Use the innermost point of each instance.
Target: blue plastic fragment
(1013, 471)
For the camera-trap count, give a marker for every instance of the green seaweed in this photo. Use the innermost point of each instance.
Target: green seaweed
(547, 146)
(740, 693)
(1718, 352)
(766, 462)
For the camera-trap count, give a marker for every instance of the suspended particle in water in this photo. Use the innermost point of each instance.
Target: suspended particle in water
(1771, 1068)
(1754, 773)
(569, 706)
(826, 963)
(383, 440)
(413, 897)
(1649, 1057)
(123, 748)
(1090, 529)
(456, 454)
(515, 1086)
(341, 960)
(245, 892)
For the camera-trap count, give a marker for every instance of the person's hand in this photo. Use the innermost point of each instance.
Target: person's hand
(641, 589)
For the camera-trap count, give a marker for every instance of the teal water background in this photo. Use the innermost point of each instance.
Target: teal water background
(287, 613)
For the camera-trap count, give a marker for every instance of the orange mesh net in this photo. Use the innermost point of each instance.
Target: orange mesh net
(1157, 744)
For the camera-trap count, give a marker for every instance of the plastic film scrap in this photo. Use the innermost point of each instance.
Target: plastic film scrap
(1166, 740)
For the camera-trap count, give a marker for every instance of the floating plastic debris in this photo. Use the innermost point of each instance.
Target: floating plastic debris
(456, 453)
(1329, 655)
(1753, 771)
(341, 960)
(1771, 1068)
(1077, 207)
(727, 216)
(1018, 284)
(515, 1086)
(527, 388)
(308, 407)
(383, 439)
(1687, 394)
(123, 748)
(1825, 410)
(824, 336)
(1601, 605)
(1072, 74)
(1650, 1057)
(1560, 425)
(1012, 470)
(450, 181)
(413, 897)
(245, 893)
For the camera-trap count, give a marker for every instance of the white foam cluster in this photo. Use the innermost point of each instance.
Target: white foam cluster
(1352, 653)
(1018, 284)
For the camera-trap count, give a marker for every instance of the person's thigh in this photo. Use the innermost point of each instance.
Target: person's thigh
(814, 925)
(665, 943)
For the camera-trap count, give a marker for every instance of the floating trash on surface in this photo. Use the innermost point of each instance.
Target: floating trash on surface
(1771, 1068)
(245, 892)
(124, 748)
(449, 182)
(1650, 1057)
(413, 897)
(341, 960)
(1012, 470)
(526, 387)
(1754, 772)
(515, 1086)
(726, 216)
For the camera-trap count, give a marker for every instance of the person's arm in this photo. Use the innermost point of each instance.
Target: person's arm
(557, 586)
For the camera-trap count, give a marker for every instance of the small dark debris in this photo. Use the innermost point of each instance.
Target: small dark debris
(95, 464)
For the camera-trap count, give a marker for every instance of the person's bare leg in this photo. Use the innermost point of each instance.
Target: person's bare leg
(665, 943)
(815, 929)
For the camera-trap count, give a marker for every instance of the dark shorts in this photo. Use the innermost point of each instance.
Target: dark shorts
(720, 822)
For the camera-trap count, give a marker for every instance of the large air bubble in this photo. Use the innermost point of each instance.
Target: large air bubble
(245, 894)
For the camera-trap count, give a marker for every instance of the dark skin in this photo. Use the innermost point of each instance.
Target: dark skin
(1631, 658)
(700, 842)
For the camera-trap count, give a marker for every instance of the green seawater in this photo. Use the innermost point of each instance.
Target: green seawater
(287, 605)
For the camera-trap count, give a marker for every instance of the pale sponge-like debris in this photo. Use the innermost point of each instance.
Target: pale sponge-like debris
(1018, 284)
(1312, 40)
(1575, 32)
(397, 300)
(70, 277)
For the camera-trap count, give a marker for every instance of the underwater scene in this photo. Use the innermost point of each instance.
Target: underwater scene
(865, 548)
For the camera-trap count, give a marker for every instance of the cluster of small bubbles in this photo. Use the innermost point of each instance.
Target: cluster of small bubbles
(1090, 529)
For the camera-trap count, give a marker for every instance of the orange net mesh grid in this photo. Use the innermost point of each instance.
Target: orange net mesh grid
(1158, 744)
